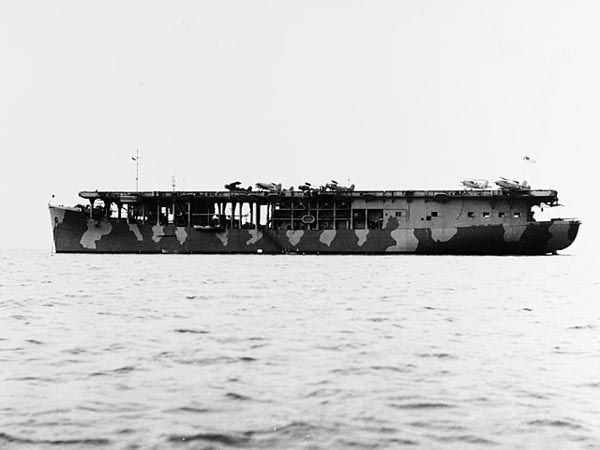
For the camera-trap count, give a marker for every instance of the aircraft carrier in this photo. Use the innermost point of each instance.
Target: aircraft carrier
(331, 219)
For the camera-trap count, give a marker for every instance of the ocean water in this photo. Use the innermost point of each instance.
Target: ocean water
(298, 352)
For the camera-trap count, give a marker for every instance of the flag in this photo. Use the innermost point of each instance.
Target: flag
(528, 159)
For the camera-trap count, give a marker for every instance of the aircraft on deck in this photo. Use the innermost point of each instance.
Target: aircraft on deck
(334, 186)
(513, 185)
(474, 183)
(271, 187)
(235, 187)
(307, 187)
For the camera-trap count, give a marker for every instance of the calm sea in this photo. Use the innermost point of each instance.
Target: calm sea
(298, 352)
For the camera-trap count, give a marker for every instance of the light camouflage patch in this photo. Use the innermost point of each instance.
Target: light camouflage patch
(95, 231)
(327, 237)
(57, 215)
(360, 203)
(443, 234)
(223, 237)
(294, 236)
(513, 233)
(136, 231)
(181, 235)
(406, 241)
(255, 236)
(158, 231)
(386, 219)
(362, 236)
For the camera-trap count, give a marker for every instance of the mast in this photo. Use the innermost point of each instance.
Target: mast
(136, 158)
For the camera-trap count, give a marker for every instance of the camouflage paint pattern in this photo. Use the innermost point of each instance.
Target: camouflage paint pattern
(75, 232)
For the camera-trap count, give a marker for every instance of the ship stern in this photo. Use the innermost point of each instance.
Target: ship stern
(562, 234)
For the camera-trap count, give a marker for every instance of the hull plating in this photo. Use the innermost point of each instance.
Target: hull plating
(76, 233)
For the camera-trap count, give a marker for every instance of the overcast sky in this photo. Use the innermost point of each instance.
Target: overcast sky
(387, 94)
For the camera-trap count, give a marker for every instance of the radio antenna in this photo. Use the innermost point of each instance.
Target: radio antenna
(136, 158)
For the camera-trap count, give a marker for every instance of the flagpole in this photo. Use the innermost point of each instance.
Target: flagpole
(526, 159)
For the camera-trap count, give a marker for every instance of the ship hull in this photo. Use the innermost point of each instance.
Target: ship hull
(74, 232)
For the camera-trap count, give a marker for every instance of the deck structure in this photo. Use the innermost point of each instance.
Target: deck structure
(314, 221)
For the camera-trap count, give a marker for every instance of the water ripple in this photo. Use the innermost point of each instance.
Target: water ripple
(554, 423)
(186, 330)
(58, 442)
(231, 439)
(422, 405)
(225, 351)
